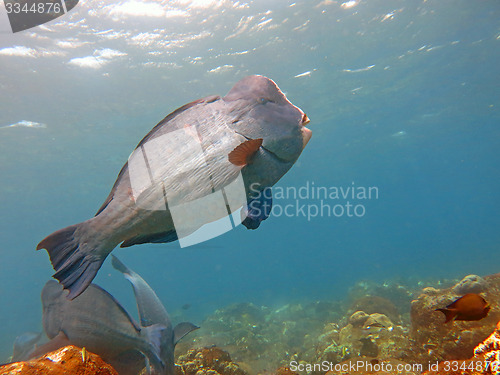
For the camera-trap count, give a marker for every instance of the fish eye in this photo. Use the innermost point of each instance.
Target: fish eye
(265, 100)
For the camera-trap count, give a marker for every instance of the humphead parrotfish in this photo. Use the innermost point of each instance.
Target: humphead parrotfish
(98, 322)
(211, 160)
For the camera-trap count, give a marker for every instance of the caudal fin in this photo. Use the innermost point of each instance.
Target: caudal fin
(75, 263)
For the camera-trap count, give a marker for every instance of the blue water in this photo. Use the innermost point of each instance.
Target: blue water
(402, 96)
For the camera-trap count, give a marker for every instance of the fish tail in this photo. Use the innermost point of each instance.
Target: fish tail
(448, 313)
(75, 262)
(153, 335)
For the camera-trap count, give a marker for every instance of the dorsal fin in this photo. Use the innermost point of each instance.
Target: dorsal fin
(169, 117)
(182, 329)
(151, 310)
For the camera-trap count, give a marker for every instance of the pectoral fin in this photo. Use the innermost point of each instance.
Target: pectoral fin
(258, 209)
(151, 310)
(242, 154)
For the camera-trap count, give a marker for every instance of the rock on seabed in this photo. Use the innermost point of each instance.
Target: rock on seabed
(435, 340)
(486, 360)
(64, 361)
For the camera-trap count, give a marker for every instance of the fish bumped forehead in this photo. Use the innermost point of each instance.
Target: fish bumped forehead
(256, 87)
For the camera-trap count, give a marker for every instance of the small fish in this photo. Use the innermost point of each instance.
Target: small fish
(469, 307)
(85, 355)
(430, 346)
(26, 124)
(246, 140)
(345, 351)
(374, 325)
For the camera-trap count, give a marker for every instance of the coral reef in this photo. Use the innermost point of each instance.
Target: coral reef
(375, 325)
(375, 336)
(435, 340)
(376, 304)
(399, 293)
(358, 318)
(489, 349)
(378, 327)
(486, 360)
(67, 360)
(471, 284)
(265, 339)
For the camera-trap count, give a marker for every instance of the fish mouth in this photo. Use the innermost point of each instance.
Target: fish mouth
(305, 119)
(306, 132)
(281, 160)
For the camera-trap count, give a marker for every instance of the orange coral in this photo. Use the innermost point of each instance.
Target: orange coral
(67, 360)
(492, 343)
